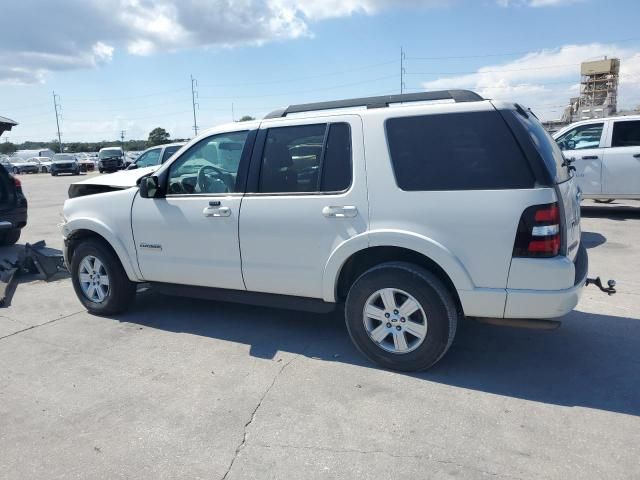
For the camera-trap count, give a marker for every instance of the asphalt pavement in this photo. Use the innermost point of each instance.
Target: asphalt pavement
(181, 388)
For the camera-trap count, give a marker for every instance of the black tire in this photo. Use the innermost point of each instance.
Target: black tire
(436, 300)
(121, 290)
(608, 200)
(11, 237)
(100, 170)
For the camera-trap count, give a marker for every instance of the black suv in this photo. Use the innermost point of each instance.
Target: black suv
(13, 208)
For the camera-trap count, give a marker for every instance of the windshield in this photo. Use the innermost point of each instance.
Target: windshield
(110, 152)
(63, 156)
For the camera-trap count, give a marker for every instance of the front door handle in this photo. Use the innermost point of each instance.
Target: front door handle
(210, 212)
(590, 157)
(348, 211)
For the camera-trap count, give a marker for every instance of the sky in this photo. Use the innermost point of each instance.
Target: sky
(127, 64)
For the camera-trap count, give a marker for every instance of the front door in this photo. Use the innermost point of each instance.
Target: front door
(583, 146)
(190, 236)
(622, 160)
(309, 197)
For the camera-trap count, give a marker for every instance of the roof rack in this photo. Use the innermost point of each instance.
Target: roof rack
(379, 102)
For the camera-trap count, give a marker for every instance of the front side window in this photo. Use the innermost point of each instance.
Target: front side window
(582, 137)
(306, 158)
(210, 166)
(149, 159)
(626, 134)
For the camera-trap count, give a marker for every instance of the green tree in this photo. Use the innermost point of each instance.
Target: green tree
(158, 136)
(246, 118)
(7, 148)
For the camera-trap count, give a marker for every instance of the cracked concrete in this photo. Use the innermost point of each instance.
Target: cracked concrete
(182, 388)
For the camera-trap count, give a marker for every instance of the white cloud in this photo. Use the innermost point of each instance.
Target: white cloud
(536, 3)
(86, 33)
(545, 80)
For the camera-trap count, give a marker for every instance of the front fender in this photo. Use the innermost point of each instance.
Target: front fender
(393, 238)
(100, 228)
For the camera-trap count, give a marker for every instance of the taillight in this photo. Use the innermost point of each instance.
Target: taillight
(17, 182)
(539, 233)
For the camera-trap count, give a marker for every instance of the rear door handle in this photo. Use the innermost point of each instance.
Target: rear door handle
(590, 157)
(348, 211)
(210, 212)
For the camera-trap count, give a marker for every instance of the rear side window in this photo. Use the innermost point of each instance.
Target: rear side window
(626, 134)
(306, 158)
(170, 151)
(456, 151)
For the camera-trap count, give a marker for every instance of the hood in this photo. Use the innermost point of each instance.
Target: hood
(109, 183)
(121, 179)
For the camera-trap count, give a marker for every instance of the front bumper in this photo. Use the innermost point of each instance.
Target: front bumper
(549, 303)
(65, 169)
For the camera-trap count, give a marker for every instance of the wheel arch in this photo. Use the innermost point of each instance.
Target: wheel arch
(351, 260)
(104, 235)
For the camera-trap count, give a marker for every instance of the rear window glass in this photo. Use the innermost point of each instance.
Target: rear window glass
(456, 151)
(546, 147)
(626, 134)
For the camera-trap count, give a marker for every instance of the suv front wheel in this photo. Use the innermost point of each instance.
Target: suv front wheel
(401, 316)
(99, 280)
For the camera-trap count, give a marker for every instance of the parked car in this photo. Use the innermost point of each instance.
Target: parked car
(110, 159)
(44, 164)
(606, 155)
(64, 163)
(19, 166)
(411, 214)
(13, 208)
(156, 155)
(86, 164)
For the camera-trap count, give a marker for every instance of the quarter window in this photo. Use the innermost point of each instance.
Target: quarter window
(626, 134)
(209, 167)
(456, 151)
(582, 137)
(306, 158)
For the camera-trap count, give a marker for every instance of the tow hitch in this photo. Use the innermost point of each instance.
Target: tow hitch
(611, 285)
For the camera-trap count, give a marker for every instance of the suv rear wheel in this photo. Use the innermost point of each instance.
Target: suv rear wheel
(99, 280)
(401, 316)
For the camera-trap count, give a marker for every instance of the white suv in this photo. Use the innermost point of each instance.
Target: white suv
(409, 211)
(606, 155)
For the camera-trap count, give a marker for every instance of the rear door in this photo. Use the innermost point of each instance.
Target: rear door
(621, 175)
(306, 195)
(584, 146)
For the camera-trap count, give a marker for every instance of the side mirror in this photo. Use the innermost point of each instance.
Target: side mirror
(149, 187)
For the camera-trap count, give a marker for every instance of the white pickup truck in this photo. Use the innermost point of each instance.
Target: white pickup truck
(606, 155)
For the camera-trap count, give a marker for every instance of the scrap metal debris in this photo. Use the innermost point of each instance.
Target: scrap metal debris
(31, 259)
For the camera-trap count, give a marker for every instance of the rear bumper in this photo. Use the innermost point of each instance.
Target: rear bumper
(523, 303)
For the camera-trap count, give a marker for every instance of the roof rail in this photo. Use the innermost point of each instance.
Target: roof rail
(379, 102)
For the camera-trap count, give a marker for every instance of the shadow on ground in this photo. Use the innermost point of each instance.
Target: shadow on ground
(591, 361)
(611, 211)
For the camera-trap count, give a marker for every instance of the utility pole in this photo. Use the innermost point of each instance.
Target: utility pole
(56, 106)
(122, 134)
(233, 113)
(194, 95)
(402, 70)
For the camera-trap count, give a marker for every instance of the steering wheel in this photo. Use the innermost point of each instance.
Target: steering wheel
(204, 181)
